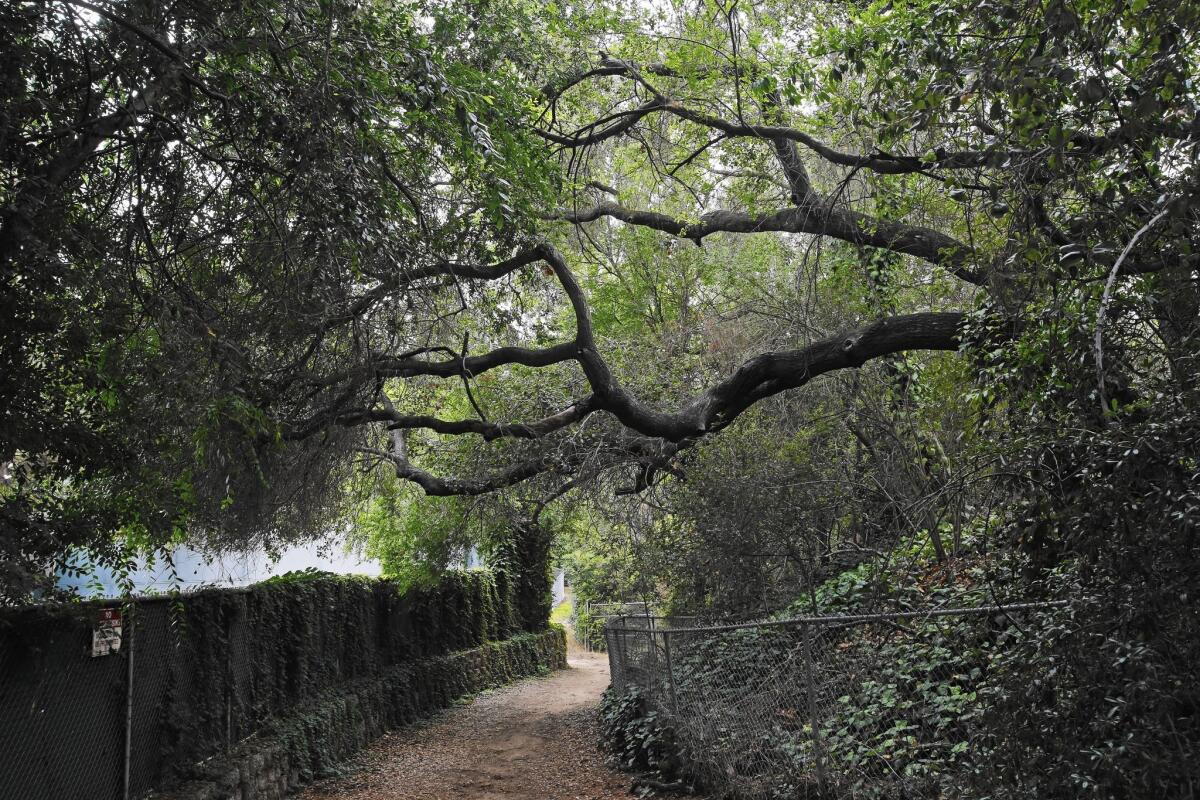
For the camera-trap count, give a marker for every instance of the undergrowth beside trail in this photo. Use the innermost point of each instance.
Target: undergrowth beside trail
(902, 704)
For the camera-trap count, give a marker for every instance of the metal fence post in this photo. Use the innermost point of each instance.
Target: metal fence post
(128, 703)
(619, 635)
(233, 617)
(614, 669)
(228, 681)
(650, 660)
(670, 670)
(813, 718)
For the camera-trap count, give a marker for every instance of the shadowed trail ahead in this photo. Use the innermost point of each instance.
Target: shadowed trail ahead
(534, 739)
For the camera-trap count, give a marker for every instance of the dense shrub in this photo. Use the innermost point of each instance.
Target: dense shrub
(1105, 702)
(634, 733)
(589, 629)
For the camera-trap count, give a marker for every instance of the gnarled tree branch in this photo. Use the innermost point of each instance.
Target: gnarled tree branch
(760, 377)
(884, 163)
(821, 219)
(488, 430)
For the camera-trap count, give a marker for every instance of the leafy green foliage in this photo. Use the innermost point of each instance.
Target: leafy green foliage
(202, 298)
(414, 537)
(194, 197)
(918, 693)
(1112, 673)
(634, 734)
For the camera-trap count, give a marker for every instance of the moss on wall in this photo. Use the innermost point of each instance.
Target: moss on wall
(316, 737)
(254, 655)
(523, 565)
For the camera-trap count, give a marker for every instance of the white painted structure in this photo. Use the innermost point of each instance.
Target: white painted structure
(194, 570)
(559, 587)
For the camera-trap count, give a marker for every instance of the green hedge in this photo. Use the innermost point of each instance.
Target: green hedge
(265, 651)
(523, 570)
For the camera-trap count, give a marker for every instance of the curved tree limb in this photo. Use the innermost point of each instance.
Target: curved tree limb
(594, 134)
(405, 278)
(474, 365)
(880, 162)
(821, 219)
(445, 487)
(713, 410)
(760, 377)
(488, 430)
(884, 163)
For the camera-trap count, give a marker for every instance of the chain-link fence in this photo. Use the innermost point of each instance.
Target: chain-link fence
(588, 620)
(880, 705)
(79, 722)
(63, 731)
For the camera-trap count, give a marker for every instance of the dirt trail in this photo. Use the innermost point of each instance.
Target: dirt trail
(535, 739)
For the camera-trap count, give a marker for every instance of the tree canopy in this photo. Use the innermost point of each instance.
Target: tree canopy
(250, 251)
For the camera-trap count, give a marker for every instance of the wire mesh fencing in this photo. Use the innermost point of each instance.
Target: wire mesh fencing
(588, 621)
(110, 701)
(867, 706)
(63, 729)
(87, 721)
(173, 688)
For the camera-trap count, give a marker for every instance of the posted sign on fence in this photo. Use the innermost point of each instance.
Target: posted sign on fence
(106, 634)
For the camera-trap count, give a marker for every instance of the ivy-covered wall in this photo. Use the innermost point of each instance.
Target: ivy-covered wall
(523, 567)
(308, 744)
(255, 655)
(213, 668)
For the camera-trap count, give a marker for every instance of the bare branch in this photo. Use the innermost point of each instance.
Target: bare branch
(760, 377)
(878, 162)
(445, 487)
(589, 135)
(488, 430)
(822, 219)
(710, 411)
(474, 365)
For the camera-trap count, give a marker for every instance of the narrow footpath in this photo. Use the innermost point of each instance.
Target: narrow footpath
(534, 739)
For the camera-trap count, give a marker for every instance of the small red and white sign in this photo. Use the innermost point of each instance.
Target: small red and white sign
(106, 635)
